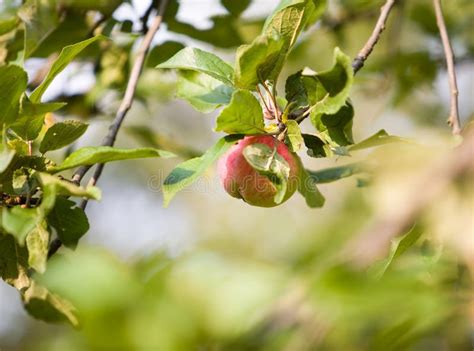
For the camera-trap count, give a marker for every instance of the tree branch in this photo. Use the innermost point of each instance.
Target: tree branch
(364, 53)
(453, 119)
(123, 109)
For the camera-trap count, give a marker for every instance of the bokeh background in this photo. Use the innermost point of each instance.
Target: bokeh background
(210, 270)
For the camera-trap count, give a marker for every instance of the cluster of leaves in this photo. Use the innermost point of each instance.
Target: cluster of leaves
(207, 82)
(35, 200)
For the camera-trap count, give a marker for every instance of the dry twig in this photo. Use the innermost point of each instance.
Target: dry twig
(453, 119)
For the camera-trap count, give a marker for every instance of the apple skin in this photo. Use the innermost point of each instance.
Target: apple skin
(242, 181)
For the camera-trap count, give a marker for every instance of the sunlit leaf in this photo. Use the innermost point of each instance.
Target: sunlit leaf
(203, 92)
(65, 57)
(255, 63)
(201, 61)
(62, 134)
(37, 243)
(189, 171)
(242, 116)
(102, 154)
(49, 307)
(14, 81)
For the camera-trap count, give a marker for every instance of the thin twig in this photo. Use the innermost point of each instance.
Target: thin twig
(123, 109)
(453, 119)
(364, 53)
(146, 15)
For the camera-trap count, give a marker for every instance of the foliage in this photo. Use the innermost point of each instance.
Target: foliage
(228, 293)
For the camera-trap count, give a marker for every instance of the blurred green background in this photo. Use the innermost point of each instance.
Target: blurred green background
(212, 273)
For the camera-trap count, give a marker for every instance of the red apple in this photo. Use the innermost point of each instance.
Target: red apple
(242, 181)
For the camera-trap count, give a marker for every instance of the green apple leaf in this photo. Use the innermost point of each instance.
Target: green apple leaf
(242, 116)
(287, 21)
(29, 108)
(332, 174)
(325, 92)
(70, 222)
(189, 171)
(101, 154)
(203, 92)
(316, 147)
(162, 52)
(294, 137)
(398, 247)
(67, 54)
(198, 60)
(336, 129)
(307, 187)
(379, 138)
(19, 222)
(235, 7)
(44, 305)
(268, 162)
(14, 81)
(13, 262)
(58, 187)
(255, 63)
(28, 127)
(62, 134)
(37, 244)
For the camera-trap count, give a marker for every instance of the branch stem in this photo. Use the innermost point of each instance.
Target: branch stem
(366, 50)
(453, 119)
(123, 109)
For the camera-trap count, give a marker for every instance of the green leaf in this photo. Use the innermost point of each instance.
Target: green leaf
(29, 108)
(19, 161)
(203, 92)
(379, 138)
(287, 21)
(187, 172)
(201, 61)
(28, 127)
(65, 57)
(255, 63)
(334, 85)
(70, 222)
(19, 222)
(242, 116)
(37, 243)
(14, 81)
(294, 137)
(336, 129)
(399, 246)
(162, 52)
(63, 187)
(101, 154)
(316, 147)
(268, 162)
(308, 188)
(13, 262)
(235, 7)
(62, 134)
(49, 307)
(335, 173)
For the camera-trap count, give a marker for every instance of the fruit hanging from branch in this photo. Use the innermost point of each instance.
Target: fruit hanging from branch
(260, 170)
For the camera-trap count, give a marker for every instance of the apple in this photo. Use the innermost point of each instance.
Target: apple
(242, 181)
